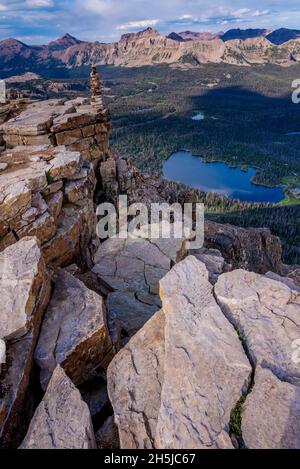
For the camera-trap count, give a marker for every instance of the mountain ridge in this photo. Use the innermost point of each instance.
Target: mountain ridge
(149, 47)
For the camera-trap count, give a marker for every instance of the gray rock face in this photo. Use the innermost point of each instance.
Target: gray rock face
(22, 271)
(25, 292)
(134, 385)
(252, 249)
(62, 420)
(74, 332)
(171, 387)
(267, 312)
(202, 381)
(133, 268)
(271, 415)
(214, 262)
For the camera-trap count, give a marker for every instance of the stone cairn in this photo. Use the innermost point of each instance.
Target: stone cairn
(96, 92)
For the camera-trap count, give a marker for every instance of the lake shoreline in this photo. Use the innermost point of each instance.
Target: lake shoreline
(241, 185)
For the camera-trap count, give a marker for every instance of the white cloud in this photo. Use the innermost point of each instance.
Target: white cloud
(98, 6)
(241, 12)
(260, 13)
(138, 24)
(39, 3)
(186, 17)
(2, 7)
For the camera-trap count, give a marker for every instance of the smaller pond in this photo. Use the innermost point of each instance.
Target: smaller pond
(198, 117)
(218, 177)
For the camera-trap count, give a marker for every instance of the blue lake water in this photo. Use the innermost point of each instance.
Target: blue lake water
(199, 117)
(218, 177)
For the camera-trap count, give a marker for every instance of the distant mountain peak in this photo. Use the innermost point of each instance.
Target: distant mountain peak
(244, 34)
(282, 35)
(146, 33)
(63, 42)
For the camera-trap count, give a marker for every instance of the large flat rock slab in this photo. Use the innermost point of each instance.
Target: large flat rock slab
(62, 420)
(271, 415)
(206, 369)
(25, 292)
(47, 192)
(22, 272)
(133, 267)
(134, 384)
(267, 313)
(74, 333)
(175, 383)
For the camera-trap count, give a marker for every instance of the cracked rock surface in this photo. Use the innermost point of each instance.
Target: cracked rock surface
(132, 268)
(267, 312)
(271, 415)
(62, 420)
(74, 333)
(178, 389)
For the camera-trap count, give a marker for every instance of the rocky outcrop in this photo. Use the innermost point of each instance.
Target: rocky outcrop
(267, 314)
(62, 420)
(25, 292)
(214, 262)
(253, 249)
(177, 389)
(47, 192)
(134, 384)
(182, 375)
(77, 124)
(132, 267)
(74, 333)
(271, 415)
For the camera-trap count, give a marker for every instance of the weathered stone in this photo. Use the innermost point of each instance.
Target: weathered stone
(202, 382)
(62, 420)
(267, 313)
(131, 312)
(22, 271)
(74, 332)
(135, 379)
(271, 414)
(77, 190)
(252, 249)
(44, 228)
(54, 203)
(25, 292)
(65, 164)
(286, 280)
(133, 268)
(214, 262)
(74, 233)
(68, 137)
(88, 131)
(170, 387)
(52, 188)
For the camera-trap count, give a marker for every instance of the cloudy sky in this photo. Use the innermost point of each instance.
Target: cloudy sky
(39, 21)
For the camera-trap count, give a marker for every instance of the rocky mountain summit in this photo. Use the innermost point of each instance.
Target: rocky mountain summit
(149, 47)
(138, 342)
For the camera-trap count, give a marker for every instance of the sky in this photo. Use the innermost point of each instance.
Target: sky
(40, 21)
